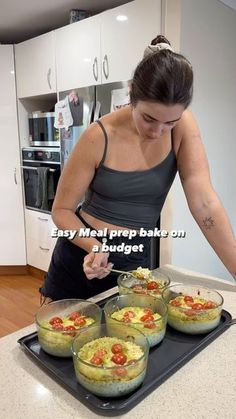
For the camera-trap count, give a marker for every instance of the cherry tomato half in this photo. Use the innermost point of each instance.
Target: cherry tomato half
(129, 314)
(152, 285)
(119, 359)
(175, 303)
(100, 353)
(69, 329)
(188, 299)
(126, 319)
(197, 306)
(96, 360)
(80, 321)
(148, 311)
(209, 304)
(74, 315)
(146, 317)
(116, 348)
(57, 326)
(121, 372)
(55, 320)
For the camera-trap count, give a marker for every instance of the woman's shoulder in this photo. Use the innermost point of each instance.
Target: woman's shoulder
(91, 143)
(186, 123)
(117, 119)
(110, 123)
(185, 129)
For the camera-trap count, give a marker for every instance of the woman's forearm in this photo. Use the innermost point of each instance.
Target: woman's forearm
(65, 219)
(214, 223)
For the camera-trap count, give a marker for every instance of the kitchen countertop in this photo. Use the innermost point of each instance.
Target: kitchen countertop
(205, 387)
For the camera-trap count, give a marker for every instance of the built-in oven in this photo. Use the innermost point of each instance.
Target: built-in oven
(41, 172)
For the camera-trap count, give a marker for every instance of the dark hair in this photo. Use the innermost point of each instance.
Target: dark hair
(163, 76)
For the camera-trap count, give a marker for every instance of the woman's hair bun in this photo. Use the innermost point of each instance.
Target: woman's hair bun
(159, 43)
(160, 39)
(162, 76)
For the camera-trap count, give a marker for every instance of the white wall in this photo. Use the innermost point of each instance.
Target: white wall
(208, 39)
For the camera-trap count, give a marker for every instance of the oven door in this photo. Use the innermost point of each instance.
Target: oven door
(40, 184)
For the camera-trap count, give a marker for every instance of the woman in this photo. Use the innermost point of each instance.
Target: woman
(125, 164)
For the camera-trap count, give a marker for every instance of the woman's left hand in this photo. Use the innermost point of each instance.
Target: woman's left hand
(96, 265)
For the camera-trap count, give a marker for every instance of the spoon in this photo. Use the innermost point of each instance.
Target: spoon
(113, 270)
(126, 273)
(119, 272)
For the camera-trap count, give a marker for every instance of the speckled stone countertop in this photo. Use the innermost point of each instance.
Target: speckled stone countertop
(203, 388)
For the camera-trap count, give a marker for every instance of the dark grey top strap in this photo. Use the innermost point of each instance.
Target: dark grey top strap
(106, 141)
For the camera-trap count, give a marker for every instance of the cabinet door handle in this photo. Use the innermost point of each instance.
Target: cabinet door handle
(44, 248)
(105, 66)
(49, 78)
(15, 178)
(95, 68)
(42, 219)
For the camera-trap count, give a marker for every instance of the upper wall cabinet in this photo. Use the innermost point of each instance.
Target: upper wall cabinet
(78, 54)
(35, 66)
(107, 47)
(125, 32)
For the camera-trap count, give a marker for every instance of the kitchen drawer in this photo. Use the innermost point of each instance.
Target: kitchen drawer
(39, 242)
(38, 255)
(37, 223)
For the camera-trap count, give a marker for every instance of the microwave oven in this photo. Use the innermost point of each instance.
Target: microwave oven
(42, 131)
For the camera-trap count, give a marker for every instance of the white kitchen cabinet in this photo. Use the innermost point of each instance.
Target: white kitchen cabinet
(107, 47)
(39, 242)
(125, 33)
(12, 233)
(35, 66)
(78, 54)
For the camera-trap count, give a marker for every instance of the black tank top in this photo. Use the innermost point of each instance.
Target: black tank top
(131, 199)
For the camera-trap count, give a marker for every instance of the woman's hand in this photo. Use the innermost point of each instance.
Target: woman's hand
(96, 265)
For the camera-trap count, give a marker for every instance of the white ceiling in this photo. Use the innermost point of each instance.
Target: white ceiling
(24, 19)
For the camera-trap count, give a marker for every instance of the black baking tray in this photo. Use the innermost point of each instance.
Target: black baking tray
(165, 359)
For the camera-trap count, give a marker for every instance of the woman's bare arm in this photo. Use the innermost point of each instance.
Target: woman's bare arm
(203, 201)
(74, 181)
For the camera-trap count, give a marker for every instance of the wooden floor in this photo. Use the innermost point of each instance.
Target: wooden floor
(19, 301)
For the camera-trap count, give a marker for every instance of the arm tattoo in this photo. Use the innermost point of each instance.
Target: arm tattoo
(208, 223)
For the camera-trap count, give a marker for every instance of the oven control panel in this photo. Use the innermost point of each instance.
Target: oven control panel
(41, 155)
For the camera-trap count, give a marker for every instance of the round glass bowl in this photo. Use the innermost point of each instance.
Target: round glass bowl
(145, 313)
(59, 322)
(153, 284)
(193, 309)
(110, 360)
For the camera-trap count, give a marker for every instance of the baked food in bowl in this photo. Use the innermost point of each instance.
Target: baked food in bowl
(143, 281)
(193, 309)
(110, 361)
(58, 323)
(145, 313)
